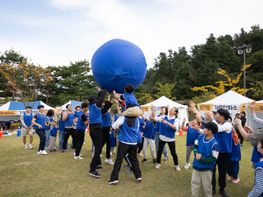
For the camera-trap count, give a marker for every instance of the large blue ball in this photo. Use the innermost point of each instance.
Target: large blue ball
(118, 63)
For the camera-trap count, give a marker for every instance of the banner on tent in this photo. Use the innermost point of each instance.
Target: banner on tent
(206, 107)
(258, 108)
(8, 113)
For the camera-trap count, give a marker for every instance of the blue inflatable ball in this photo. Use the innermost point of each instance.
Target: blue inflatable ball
(118, 63)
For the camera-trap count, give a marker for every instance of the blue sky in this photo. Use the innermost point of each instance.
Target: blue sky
(55, 32)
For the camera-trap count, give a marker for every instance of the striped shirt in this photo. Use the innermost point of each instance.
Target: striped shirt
(258, 187)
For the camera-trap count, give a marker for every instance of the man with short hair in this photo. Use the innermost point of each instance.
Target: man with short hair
(27, 127)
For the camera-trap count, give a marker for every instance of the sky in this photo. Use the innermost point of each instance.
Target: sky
(55, 32)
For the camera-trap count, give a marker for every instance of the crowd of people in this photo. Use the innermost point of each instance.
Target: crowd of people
(215, 139)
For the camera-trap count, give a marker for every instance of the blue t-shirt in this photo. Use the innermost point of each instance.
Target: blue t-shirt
(235, 155)
(224, 140)
(53, 131)
(149, 131)
(192, 135)
(129, 135)
(61, 124)
(106, 119)
(50, 120)
(95, 116)
(130, 99)
(40, 119)
(166, 130)
(255, 155)
(28, 119)
(205, 148)
(81, 126)
(69, 122)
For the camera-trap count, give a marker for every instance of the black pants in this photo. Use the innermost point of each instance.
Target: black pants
(233, 169)
(222, 162)
(80, 135)
(106, 140)
(172, 150)
(140, 146)
(96, 135)
(42, 137)
(123, 149)
(68, 132)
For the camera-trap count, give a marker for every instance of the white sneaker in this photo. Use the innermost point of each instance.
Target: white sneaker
(30, 146)
(157, 166)
(25, 146)
(44, 152)
(187, 166)
(178, 168)
(109, 161)
(78, 157)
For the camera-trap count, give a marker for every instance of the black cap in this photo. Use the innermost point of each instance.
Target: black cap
(212, 127)
(28, 107)
(224, 112)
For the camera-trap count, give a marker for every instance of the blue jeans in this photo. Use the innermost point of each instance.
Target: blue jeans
(61, 139)
(47, 133)
(157, 139)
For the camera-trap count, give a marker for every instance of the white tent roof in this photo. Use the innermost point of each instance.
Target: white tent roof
(261, 101)
(45, 105)
(164, 101)
(72, 102)
(229, 97)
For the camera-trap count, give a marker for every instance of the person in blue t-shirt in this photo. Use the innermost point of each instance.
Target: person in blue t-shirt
(193, 132)
(168, 126)
(106, 127)
(27, 127)
(69, 118)
(61, 127)
(163, 113)
(49, 120)
(235, 157)
(128, 139)
(149, 135)
(257, 191)
(206, 152)
(96, 133)
(82, 124)
(53, 136)
(39, 124)
(224, 139)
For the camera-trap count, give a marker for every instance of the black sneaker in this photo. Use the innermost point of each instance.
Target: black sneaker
(154, 161)
(95, 174)
(139, 180)
(223, 193)
(144, 160)
(113, 182)
(99, 167)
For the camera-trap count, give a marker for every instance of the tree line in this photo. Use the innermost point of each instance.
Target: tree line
(202, 73)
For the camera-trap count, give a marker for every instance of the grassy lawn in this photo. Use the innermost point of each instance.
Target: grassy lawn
(24, 173)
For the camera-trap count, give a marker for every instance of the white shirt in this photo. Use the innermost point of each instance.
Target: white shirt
(225, 127)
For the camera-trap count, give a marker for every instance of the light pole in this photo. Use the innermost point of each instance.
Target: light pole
(242, 50)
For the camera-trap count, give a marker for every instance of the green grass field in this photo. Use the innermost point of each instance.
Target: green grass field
(24, 173)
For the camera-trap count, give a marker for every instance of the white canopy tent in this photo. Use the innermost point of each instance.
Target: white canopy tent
(164, 101)
(230, 100)
(71, 102)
